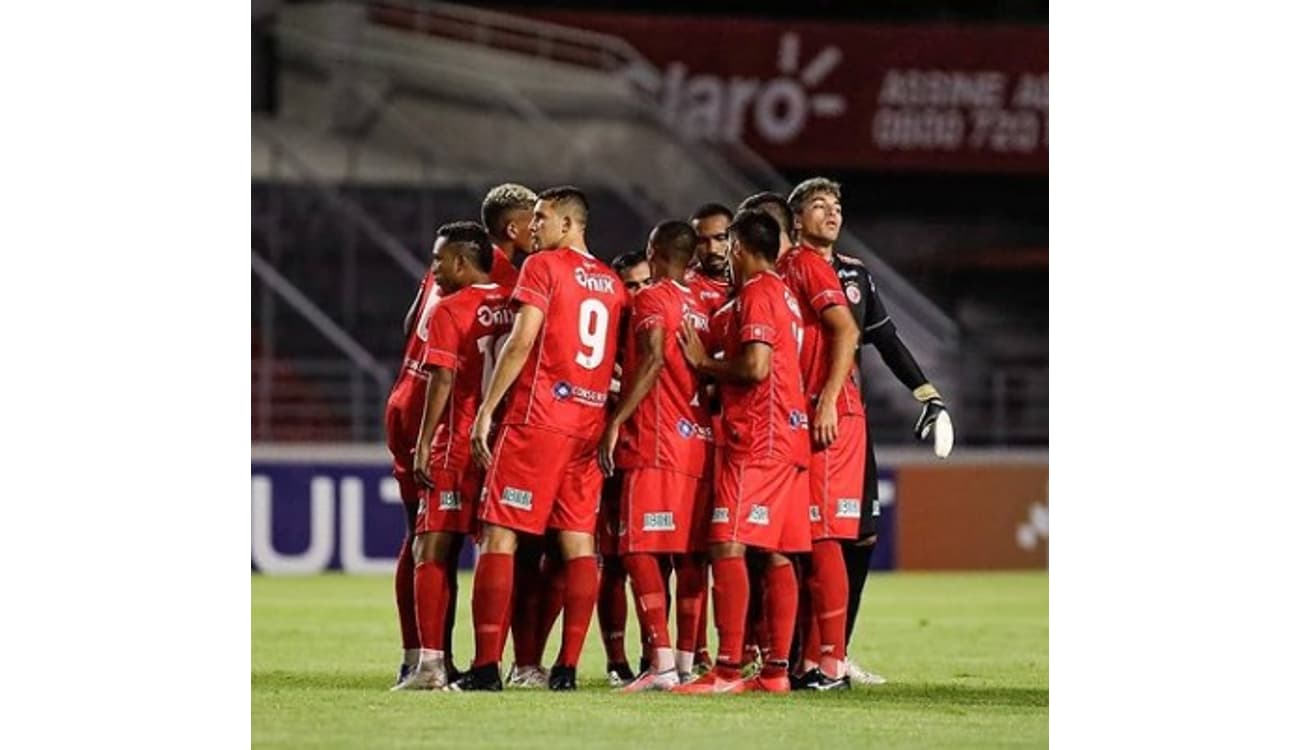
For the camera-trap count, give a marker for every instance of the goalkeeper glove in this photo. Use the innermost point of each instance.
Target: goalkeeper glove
(934, 420)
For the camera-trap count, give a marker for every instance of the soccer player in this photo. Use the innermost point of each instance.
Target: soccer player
(709, 278)
(611, 603)
(820, 197)
(761, 495)
(507, 212)
(664, 454)
(405, 407)
(541, 467)
(469, 319)
(826, 357)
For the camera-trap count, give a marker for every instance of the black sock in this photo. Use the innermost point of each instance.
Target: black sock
(453, 583)
(857, 559)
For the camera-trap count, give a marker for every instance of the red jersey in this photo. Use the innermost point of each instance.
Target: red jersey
(816, 286)
(766, 420)
(670, 428)
(712, 293)
(565, 381)
(413, 352)
(468, 327)
(503, 271)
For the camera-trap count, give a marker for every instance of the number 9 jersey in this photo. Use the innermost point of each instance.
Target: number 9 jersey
(565, 382)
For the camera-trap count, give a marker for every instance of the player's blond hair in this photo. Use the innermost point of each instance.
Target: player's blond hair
(804, 192)
(503, 199)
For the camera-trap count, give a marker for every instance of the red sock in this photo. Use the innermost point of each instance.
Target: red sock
(404, 587)
(833, 580)
(730, 598)
(493, 581)
(611, 609)
(579, 602)
(552, 602)
(702, 623)
(525, 612)
(648, 592)
(782, 609)
(690, 602)
(431, 598)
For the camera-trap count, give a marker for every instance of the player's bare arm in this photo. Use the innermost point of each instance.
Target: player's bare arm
(843, 339)
(436, 395)
(527, 324)
(650, 353)
(752, 366)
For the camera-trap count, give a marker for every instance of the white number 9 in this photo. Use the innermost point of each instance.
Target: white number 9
(593, 324)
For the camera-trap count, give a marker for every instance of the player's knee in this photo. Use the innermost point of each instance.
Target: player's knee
(725, 550)
(498, 540)
(575, 544)
(777, 560)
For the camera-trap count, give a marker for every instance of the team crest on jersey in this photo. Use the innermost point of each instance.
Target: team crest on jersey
(798, 420)
(853, 293)
(685, 428)
(658, 522)
(720, 515)
(848, 507)
(595, 282)
(759, 516)
(449, 500)
(562, 391)
(814, 513)
(517, 498)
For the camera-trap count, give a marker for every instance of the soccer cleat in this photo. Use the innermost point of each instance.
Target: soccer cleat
(428, 675)
(486, 677)
(703, 662)
(651, 681)
(686, 678)
(779, 683)
(711, 684)
(403, 671)
(563, 678)
(861, 676)
(526, 677)
(806, 680)
(620, 674)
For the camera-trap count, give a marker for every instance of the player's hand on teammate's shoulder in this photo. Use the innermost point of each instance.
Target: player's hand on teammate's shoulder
(692, 346)
(478, 438)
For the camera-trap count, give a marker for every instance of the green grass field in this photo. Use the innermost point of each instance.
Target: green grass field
(965, 654)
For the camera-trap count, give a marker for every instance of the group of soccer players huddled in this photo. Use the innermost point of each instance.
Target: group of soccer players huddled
(692, 412)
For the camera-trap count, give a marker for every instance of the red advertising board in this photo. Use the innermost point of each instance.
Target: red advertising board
(824, 95)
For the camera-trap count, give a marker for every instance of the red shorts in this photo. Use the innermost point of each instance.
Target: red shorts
(835, 478)
(452, 504)
(607, 524)
(762, 504)
(662, 511)
(402, 418)
(542, 479)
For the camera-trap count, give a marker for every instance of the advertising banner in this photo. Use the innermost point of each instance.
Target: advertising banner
(971, 517)
(845, 95)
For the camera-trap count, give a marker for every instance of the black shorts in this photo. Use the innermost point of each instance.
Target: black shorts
(869, 524)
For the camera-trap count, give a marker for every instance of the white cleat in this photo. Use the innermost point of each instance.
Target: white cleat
(649, 681)
(860, 676)
(428, 675)
(527, 677)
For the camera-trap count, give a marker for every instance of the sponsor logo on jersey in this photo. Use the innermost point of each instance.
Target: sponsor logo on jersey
(500, 316)
(685, 428)
(562, 390)
(853, 293)
(798, 420)
(595, 282)
(449, 500)
(587, 396)
(658, 522)
(759, 516)
(517, 498)
(848, 507)
(697, 321)
(814, 513)
(720, 515)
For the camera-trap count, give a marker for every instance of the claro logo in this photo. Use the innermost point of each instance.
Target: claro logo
(709, 107)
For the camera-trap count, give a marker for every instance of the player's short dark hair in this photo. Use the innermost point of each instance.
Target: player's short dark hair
(758, 231)
(712, 209)
(568, 198)
(627, 260)
(500, 201)
(473, 234)
(775, 205)
(804, 191)
(675, 239)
